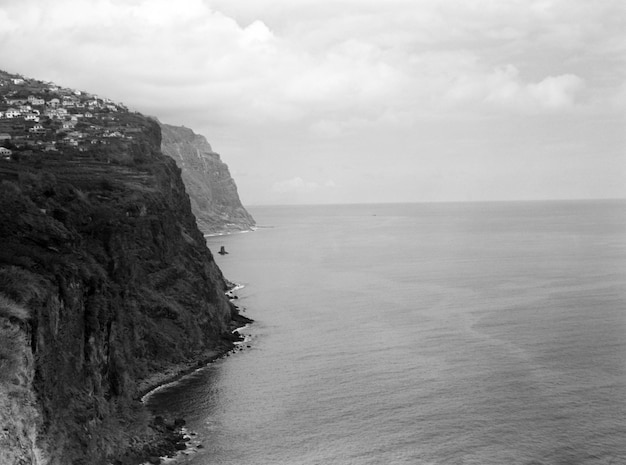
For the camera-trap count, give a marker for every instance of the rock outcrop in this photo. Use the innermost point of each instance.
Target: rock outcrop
(105, 281)
(212, 191)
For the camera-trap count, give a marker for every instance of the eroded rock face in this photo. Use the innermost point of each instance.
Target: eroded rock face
(102, 252)
(212, 191)
(19, 416)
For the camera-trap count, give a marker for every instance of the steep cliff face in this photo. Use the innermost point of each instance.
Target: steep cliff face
(105, 280)
(212, 191)
(19, 415)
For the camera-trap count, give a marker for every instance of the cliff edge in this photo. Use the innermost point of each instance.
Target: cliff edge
(212, 191)
(105, 282)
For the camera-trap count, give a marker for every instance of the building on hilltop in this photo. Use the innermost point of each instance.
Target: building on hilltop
(12, 113)
(33, 100)
(37, 129)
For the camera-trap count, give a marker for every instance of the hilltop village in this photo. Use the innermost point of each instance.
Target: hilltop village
(39, 116)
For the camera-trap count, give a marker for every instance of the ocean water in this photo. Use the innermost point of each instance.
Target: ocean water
(485, 333)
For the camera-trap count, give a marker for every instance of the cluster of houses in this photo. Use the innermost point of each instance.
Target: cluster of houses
(45, 117)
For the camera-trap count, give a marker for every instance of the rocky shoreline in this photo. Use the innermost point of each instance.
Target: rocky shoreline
(168, 436)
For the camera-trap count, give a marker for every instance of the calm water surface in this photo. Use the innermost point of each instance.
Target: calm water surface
(489, 333)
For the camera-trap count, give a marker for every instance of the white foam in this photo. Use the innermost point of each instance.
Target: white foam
(235, 288)
(228, 233)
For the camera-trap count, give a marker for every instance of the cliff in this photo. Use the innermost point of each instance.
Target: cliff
(212, 191)
(105, 282)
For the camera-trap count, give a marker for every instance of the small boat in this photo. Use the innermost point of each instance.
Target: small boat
(222, 251)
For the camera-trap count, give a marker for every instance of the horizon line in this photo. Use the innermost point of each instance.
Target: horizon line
(426, 202)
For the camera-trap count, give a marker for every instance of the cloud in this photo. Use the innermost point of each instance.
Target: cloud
(557, 91)
(504, 88)
(296, 184)
(312, 83)
(299, 186)
(256, 63)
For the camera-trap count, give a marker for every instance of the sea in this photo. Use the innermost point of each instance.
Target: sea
(421, 334)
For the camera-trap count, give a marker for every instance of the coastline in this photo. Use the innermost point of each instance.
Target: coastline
(169, 437)
(175, 372)
(228, 232)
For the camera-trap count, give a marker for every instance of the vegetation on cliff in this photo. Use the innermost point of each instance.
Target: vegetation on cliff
(105, 280)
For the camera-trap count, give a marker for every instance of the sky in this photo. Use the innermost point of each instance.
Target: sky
(358, 101)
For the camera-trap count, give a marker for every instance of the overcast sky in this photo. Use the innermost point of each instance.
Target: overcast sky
(348, 101)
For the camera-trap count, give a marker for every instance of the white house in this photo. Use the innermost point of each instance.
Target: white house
(12, 113)
(69, 101)
(35, 100)
(37, 129)
(5, 153)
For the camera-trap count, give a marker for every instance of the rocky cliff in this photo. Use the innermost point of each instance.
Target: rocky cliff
(212, 191)
(105, 281)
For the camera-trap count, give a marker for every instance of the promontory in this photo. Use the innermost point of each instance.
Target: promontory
(105, 279)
